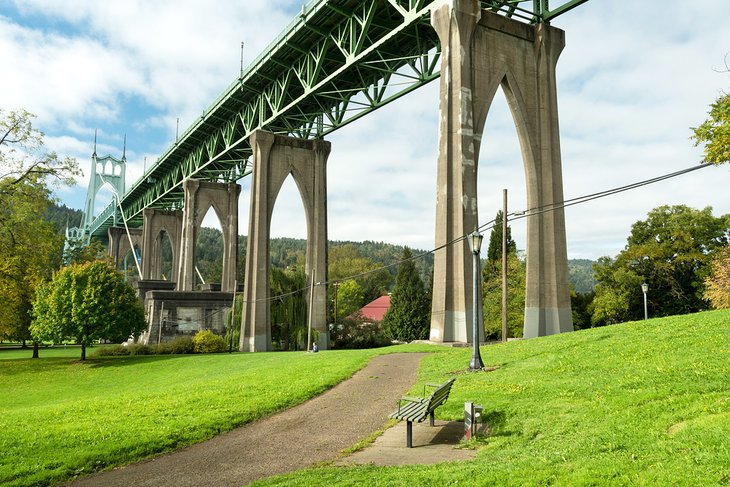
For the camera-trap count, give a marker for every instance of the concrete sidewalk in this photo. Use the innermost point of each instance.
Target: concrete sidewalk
(436, 444)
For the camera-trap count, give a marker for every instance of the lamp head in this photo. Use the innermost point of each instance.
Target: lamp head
(644, 287)
(475, 241)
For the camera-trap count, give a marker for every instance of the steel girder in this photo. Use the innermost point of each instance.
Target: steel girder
(336, 62)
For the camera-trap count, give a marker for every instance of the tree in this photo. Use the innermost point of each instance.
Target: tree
(87, 302)
(717, 283)
(492, 294)
(346, 261)
(288, 308)
(494, 251)
(30, 246)
(349, 298)
(671, 251)
(23, 157)
(409, 316)
(714, 132)
(492, 285)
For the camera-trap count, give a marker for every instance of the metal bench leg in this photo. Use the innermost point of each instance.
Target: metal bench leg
(431, 418)
(409, 434)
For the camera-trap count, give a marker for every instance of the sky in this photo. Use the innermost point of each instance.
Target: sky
(631, 83)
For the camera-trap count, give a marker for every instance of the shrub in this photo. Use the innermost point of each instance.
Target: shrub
(110, 351)
(139, 349)
(180, 345)
(205, 341)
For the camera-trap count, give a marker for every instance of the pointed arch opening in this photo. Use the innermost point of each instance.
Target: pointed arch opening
(501, 166)
(287, 260)
(209, 246)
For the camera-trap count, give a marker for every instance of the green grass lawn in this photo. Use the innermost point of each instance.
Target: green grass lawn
(644, 403)
(60, 417)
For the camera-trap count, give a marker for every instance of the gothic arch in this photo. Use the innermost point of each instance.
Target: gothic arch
(276, 157)
(482, 51)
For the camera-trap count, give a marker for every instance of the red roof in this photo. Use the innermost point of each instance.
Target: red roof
(375, 310)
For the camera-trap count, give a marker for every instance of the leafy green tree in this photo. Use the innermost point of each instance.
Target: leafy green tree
(718, 282)
(350, 298)
(288, 308)
(714, 132)
(492, 294)
(30, 245)
(671, 251)
(346, 261)
(409, 316)
(87, 302)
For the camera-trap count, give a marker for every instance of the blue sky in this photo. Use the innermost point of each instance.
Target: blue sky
(631, 82)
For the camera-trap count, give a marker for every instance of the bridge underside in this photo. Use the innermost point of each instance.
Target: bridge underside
(339, 60)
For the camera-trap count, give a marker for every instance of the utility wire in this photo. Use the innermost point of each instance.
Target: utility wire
(490, 225)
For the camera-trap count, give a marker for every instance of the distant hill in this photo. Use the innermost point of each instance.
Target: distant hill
(581, 275)
(62, 215)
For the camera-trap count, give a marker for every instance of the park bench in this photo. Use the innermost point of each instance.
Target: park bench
(416, 409)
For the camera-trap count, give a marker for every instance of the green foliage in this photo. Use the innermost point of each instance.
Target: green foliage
(714, 132)
(580, 273)
(209, 254)
(718, 282)
(409, 315)
(288, 310)
(347, 261)
(87, 302)
(492, 293)
(494, 251)
(349, 298)
(205, 341)
(354, 332)
(671, 251)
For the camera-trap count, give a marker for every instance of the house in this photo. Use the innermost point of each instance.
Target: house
(374, 311)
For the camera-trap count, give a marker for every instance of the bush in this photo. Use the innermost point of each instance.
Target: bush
(178, 346)
(110, 351)
(140, 349)
(205, 341)
(355, 333)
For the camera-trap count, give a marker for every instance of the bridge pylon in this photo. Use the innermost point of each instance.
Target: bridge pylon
(482, 51)
(275, 158)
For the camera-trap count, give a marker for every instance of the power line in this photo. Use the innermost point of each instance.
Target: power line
(515, 216)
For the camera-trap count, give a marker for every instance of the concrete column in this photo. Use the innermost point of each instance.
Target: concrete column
(186, 274)
(200, 196)
(481, 52)
(275, 158)
(456, 195)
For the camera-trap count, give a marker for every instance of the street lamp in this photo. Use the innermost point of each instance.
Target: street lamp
(475, 242)
(645, 288)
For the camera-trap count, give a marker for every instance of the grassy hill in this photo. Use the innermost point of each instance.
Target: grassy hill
(645, 403)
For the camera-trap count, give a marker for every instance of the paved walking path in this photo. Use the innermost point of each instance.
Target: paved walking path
(310, 433)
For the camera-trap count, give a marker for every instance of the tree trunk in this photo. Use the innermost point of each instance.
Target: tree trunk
(23, 345)
(35, 349)
(83, 351)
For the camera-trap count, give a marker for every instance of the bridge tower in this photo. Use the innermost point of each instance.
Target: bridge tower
(480, 52)
(104, 170)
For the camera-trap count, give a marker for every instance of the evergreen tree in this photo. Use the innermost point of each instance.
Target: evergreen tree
(494, 252)
(409, 315)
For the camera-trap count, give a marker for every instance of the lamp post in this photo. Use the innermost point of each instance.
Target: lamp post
(645, 288)
(475, 242)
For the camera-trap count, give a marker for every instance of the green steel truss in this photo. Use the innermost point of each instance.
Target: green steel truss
(336, 62)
